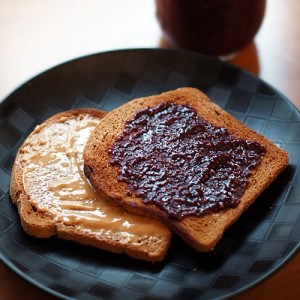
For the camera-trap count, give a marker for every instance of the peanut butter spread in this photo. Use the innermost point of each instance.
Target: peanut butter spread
(55, 183)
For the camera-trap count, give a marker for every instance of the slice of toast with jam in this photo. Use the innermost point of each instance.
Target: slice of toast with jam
(54, 198)
(183, 160)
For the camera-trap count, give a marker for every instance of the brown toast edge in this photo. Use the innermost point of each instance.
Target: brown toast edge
(32, 221)
(201, 233)
(41, 225)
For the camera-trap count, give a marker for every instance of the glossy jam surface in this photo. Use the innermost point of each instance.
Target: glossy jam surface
(171, 157)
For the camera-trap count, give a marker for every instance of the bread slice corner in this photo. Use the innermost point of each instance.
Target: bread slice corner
(201, 233)
(40, 176)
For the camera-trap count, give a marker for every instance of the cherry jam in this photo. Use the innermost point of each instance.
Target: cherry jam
(171, 157)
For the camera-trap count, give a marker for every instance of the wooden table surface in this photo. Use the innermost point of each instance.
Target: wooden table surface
(39, 34)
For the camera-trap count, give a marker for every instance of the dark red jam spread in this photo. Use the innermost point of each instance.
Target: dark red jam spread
(171, 157)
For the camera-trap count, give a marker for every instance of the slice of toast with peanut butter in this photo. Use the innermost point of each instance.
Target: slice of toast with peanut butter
(180, 158)
(54, 198)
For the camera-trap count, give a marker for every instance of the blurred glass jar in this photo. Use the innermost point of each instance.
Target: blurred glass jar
(216, 27)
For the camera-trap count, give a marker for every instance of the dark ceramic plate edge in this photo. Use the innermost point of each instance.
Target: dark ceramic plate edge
(54, 293)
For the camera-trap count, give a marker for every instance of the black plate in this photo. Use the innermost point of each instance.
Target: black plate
(257, 245)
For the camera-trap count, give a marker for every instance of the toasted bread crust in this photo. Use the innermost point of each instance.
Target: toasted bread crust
(202, 233)
(42, 224)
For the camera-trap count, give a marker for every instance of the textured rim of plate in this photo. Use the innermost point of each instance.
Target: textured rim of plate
(183, 52)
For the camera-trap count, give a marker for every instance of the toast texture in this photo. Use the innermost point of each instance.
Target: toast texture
(202, 233)
(54, 198)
